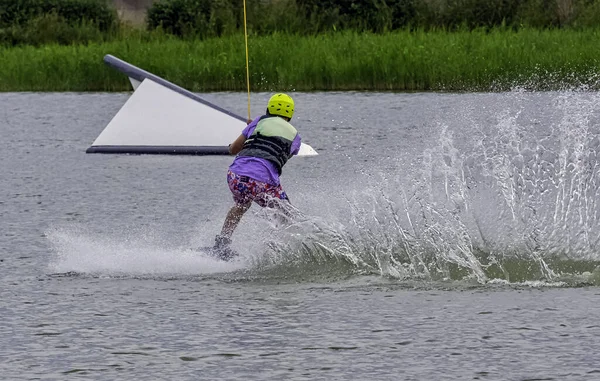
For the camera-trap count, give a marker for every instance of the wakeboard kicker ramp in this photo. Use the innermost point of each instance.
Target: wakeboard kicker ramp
(163, 118)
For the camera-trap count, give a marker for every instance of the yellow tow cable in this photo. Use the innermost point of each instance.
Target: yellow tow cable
(247, 66)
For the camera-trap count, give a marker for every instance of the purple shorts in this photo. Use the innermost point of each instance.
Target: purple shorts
(245, 190)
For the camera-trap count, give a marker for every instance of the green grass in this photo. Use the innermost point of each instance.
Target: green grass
(399, 61)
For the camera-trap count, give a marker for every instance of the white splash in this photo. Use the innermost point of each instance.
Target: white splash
(78, 251)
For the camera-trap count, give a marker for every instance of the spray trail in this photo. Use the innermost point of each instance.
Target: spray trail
(134, 253)
(514, 198)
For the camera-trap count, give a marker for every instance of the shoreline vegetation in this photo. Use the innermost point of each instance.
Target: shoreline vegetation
(391, 45)
(493, 60)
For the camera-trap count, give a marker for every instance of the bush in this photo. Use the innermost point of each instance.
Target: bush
(202, 18)
(538, 14)
(50, 28)
(366, 15)
(586, 14)
(274, 16)
(180, 17)
(37, 22)
(206, 18)
(20, 12)
(472, 14)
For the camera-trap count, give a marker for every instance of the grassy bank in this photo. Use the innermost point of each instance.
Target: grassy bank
(399, 61)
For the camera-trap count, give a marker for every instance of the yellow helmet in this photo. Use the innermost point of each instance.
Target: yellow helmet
(282, 105)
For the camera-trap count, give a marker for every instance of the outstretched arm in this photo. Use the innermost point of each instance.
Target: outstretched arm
(237, 145)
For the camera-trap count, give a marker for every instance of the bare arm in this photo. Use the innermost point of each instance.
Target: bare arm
(236, 146)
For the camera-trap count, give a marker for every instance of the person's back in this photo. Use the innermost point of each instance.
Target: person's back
(270, 142)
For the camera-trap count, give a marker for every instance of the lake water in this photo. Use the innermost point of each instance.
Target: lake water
(443, 237)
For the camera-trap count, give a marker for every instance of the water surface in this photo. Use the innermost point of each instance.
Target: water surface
(443, 236)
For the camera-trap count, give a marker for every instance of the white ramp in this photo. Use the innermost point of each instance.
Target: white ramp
(163, 118)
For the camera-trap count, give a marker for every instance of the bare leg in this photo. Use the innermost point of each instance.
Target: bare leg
(232, 220)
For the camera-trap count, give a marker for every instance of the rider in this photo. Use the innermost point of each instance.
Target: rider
(262, 150)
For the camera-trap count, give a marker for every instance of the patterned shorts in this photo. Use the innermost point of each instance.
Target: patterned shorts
(245, 190)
